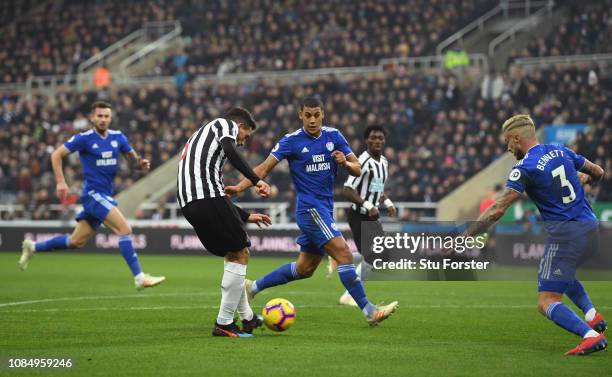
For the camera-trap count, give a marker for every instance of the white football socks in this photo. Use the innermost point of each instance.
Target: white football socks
(590, 315)
(232, 288)
(591, 334)
(244, 309)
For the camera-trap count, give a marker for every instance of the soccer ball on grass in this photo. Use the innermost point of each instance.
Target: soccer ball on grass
(279, 314)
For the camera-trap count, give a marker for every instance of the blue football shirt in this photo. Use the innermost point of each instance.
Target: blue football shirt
(99, 157)
(312, 166)
(549, 175)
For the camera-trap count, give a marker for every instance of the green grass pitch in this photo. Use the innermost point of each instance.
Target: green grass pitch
(85, 307)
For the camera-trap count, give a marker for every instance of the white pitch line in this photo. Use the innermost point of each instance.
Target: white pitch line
(201, 307)
(178, 294)
(84, 298)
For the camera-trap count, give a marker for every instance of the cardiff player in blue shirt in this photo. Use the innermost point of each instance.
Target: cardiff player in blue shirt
(552, 176)
(314, 154)
(99, 150)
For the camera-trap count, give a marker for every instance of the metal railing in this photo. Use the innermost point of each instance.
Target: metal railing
(51, 84)
(171, 31)
(479, 61)
(542, 62)
(502, 9)
(278, 211)
(529, 22)
(98, 58)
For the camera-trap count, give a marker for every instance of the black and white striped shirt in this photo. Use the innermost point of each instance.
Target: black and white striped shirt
(200, 170)
(370, 185)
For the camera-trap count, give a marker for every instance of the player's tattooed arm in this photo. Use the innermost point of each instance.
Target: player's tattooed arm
(135, 160)
(592, 173)
(493, 213)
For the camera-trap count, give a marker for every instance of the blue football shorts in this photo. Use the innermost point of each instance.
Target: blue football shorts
(562, 256)
(96, 207)
(317, 228)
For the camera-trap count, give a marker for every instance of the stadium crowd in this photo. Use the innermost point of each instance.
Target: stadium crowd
(316, 34)
(252, 35)
(585, 29)
(441, 131)
(56, 36)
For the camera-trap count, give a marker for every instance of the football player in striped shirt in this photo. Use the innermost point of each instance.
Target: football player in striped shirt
(367, 192)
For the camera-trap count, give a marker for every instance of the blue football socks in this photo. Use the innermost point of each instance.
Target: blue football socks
(578, 295)
(56, 243)
(352, 283)
(282, 275)
(565, 317)
(129, 254)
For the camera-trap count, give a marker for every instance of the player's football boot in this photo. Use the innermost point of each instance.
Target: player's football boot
(231, 330)
(382, 312)
(347, 299)
(248, 290)
(589, 345)
(148, 281)
(249, 326)
(598, 323)
(27, 252)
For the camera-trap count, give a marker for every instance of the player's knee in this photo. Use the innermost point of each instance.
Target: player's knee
(241, 256)
(344, 255)
(305, 271)
(76, 243)
(125, 229)
(543, 305)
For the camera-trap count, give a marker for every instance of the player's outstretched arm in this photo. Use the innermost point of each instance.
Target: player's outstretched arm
(389, 204)
(135, 160)
(350, 163)
(262, 170)
(58, 171)
(352, 195)
(592, 173)
(493, 213)
(255, 218)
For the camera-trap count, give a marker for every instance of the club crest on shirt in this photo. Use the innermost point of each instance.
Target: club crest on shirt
(515, 174)
(329, 146)
(114, 143)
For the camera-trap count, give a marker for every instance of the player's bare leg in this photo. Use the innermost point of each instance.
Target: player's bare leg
(304, 267)
(79, 237)
(331, 267)
(119, 225)
(338, 249)
(550, 305)
(307, 264)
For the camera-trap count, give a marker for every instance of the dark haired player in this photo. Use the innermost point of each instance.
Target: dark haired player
(314, 154)
(366, 192)
(553, 176)
(99, 150)
(219, 224)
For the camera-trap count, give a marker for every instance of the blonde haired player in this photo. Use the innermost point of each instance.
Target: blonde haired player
(552, 176)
